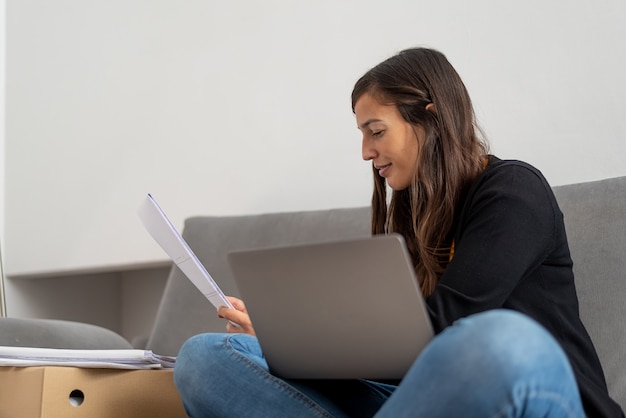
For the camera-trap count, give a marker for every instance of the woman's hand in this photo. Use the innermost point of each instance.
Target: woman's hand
(239, 316)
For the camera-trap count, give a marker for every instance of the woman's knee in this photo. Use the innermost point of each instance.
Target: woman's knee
(192, 357)
(501, 343)
(196, 348)
(506, 334)
(205, 355)
(489, 363)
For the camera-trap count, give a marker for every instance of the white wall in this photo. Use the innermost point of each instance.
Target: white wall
(2, 130)
(243, 107)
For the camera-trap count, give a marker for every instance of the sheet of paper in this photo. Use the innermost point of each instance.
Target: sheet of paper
(117, 359)
(166, 235)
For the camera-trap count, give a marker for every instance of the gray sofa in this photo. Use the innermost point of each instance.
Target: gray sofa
(595, 215)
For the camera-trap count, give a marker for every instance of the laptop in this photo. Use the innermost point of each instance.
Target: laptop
(335, 310)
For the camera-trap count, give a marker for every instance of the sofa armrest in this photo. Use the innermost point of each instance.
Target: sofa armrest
(595, 220)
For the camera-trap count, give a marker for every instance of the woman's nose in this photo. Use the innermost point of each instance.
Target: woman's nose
(367, 150)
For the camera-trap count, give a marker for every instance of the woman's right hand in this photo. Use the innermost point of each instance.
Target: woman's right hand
(239, 316)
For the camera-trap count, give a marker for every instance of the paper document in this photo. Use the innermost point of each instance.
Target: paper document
(163, 231)
(112, 359)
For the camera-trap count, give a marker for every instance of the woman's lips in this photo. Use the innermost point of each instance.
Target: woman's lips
(383, 169)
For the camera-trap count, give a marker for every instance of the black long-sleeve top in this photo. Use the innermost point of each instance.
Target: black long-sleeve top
(511, 252)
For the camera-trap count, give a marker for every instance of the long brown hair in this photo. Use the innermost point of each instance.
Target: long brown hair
(452, 156)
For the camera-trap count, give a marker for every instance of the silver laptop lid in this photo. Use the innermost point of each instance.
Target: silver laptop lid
(345, 310)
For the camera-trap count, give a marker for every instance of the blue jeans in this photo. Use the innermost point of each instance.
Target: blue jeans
(493, 364)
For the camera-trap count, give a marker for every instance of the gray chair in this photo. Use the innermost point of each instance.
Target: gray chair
(595, 217)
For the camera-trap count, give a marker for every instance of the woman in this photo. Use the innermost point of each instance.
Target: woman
(488, 243)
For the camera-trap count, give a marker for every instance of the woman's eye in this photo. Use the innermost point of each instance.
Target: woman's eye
(376, 134)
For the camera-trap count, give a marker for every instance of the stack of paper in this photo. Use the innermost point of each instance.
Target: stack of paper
(116, 359)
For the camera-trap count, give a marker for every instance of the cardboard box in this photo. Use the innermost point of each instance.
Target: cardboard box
(70, 392)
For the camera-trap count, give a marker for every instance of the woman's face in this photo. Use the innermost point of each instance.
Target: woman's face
(388, 140)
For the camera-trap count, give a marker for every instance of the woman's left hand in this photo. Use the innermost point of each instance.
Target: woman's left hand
(238, 315)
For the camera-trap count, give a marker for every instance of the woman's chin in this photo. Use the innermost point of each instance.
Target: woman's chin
(397, 186)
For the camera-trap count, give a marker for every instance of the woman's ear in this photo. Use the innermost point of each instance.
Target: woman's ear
(431, 107)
